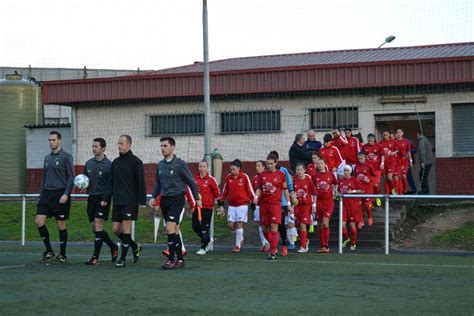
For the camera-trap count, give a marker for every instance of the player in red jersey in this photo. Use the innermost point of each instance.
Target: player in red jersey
(312, 167)
(389, 151)
(270, 186)
(352, 211)
(376, 160)
(338, 139)
(405, 160)
(331, 155)
(305, 192)
(323, 181)
(238, 191)
(209, 190)
(351, 149)
(260, 167)
(365, 174)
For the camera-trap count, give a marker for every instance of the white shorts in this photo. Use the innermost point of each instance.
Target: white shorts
(237, 213)
(256, 214)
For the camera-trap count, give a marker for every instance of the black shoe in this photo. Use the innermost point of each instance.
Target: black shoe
(61, 259)
(272, 256)
(93, 261)
(114, 252)
(120, 263)
(136, 253)
(169, 265)
(179, 264)
(47, 256)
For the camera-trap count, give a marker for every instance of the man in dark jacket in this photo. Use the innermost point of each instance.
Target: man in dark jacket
(298, 153)
(129, 194)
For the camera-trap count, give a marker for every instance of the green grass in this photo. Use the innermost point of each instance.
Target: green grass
(226, 284)
(460, 238)
(79, 228)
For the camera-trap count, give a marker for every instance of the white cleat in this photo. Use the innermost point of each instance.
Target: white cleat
(302, 250)
(201, 252)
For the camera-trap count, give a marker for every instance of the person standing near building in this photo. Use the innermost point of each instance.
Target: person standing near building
(425, 150)
(55, 196)
(312, 144)
(376, 160)
(172, 176)
(351, 149)
(99, 171)
(209, 190)
(297, 152)
(405, 160)
(129, 194)
(332, 156)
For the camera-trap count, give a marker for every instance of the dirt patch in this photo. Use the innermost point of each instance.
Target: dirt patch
(422, 225)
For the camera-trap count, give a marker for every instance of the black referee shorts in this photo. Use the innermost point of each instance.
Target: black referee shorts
(49, 205)
(171, 207)
(124, 213)
(95, 210)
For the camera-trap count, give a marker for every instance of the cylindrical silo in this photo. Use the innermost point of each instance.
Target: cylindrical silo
(20, 105)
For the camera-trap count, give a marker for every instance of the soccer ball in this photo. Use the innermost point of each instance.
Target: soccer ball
(81, 182)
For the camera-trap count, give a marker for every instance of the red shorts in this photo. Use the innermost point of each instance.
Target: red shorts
(352, 215)
(303, 214)
(390, 168)
(376, 178)
(270, 214)
(324, 208)
(403, 166)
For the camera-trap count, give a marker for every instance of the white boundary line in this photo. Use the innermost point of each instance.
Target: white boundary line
(361, 263)
(12, 267)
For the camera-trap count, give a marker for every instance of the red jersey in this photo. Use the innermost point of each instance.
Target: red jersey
(323, 181)
(404, 148)
(188, 195)
(374, 155)
(389, 146)
(362, 173)
(339, 141)
(332, 156)
(311, 169)
(346, 184)
(208, 188)
(350, 151)
(237, 190)
(304, 189)
(272, 184)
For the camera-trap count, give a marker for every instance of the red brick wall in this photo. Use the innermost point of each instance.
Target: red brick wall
(34, 175)
(455, 176)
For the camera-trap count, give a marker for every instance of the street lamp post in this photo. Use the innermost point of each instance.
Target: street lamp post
(388, 40)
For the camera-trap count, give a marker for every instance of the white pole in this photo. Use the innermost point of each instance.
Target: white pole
(23, 221)
(206, 88)
(387, 224)
(211, 233)
(340, 224)
(133, 230)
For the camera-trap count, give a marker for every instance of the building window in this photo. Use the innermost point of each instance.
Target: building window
(177, 124)
(463, 138)
(326, 118)
(254, 121)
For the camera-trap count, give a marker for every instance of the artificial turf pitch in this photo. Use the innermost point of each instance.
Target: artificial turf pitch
(225, 283)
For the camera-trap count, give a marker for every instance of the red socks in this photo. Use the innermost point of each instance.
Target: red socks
(404, 185)
(326, 237)
(344, 233)
(376, 190)
(274, 241)
(386, 186)
(321, 236)
(353, 235)
(368, 208)
(303, 238)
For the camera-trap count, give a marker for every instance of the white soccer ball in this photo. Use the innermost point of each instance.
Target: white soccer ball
(81, 182)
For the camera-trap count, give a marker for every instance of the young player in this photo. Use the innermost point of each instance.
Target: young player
(405, 160)
(352, 148)
(365, 174)
(260, 167)
(376, 160)
(331, 155)
(99, 171)
(324, 182)
(305, 192)
(352, 207)
(209, 190)
(339, 140)
(238, 191)
(389, 151)
(312, 167)
(270, 187)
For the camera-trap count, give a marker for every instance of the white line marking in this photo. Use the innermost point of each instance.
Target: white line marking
(12, 267)
(316, 261)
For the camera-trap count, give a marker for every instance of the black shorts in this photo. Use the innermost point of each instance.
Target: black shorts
(124, 213)
(49, 205)
(95, 210)
(172, 207)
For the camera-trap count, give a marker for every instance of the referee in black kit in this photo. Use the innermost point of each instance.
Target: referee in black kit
(55, 196)
(129, 194)
(172, 176)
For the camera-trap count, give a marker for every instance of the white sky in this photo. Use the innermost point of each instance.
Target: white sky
(156, 34)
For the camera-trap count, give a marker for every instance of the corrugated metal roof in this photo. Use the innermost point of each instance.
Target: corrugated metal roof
(330, 58)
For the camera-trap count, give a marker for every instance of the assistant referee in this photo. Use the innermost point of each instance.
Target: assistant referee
(172, 176)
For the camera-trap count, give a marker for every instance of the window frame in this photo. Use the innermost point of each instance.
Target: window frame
(335, 120)
(241, 115)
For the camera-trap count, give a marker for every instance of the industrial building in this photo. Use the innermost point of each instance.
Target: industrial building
(260, 103)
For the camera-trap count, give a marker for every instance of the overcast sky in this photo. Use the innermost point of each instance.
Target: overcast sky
(156, 34)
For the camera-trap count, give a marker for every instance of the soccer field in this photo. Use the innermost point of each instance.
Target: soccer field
(224, 283)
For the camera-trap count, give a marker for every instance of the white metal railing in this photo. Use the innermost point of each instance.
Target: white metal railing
(386, 198)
